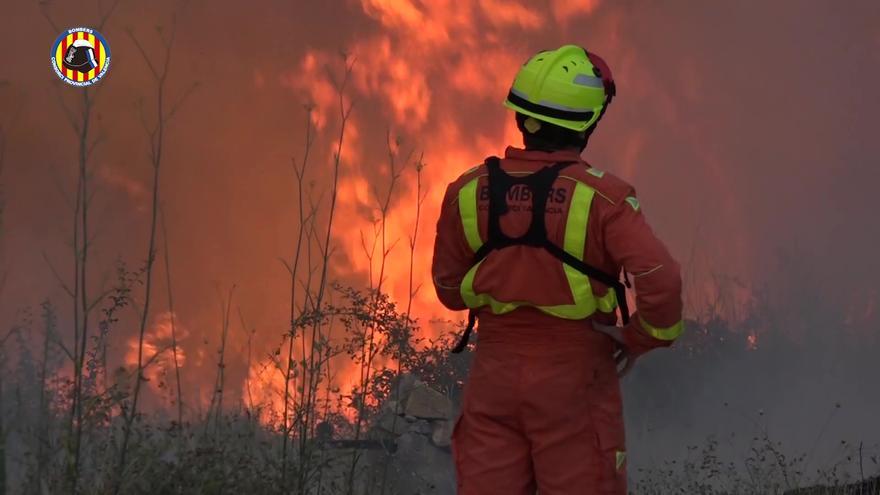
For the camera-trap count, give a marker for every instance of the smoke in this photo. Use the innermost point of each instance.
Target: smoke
(747, 128)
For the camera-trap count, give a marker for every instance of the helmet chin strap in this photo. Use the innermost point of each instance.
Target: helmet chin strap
(539, 135)
(532, 125)
(548, 137)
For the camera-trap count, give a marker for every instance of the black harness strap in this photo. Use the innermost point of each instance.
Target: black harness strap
(540, 184)
(466, 336)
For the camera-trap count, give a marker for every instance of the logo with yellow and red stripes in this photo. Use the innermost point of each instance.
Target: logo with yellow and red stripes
(80, 56)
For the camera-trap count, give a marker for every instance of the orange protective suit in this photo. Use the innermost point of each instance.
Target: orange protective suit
(542, 408)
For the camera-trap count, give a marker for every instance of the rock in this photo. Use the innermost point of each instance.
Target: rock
(441, 436)
(392, 406)
(422, 427)
(421, 468)
(426, 403)
(391, 423)
(412, 446)
(404, 384)
(419, 422)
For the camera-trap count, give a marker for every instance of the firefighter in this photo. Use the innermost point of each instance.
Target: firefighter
(533, 245)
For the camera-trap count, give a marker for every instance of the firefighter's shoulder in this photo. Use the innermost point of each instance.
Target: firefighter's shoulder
(453, 188)
(468, 175)
(472, 172)
(608, 186)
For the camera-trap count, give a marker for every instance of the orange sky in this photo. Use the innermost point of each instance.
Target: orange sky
(745, 127)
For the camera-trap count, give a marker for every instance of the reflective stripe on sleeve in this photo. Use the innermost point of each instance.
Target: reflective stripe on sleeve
(668, 333)
(608, 302)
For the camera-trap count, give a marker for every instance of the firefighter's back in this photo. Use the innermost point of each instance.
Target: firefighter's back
(534, 372)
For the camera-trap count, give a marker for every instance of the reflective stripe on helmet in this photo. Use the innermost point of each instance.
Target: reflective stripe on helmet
(548, 108)
(587, 80)
(668, 333)
(562, 87)
(584, 302)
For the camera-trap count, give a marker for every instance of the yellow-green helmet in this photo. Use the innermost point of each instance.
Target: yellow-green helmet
(568, 87)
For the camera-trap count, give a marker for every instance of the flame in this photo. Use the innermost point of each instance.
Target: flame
(564, 10)
(432, 68)
(309, 80)
(263, 390)
(426, 68)
(435, 73)
(752, 341)
(158, 358)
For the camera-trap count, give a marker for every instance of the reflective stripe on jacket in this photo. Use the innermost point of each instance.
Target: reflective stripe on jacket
(583, 302)
(592, 215)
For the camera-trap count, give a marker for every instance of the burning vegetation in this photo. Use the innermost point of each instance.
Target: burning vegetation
(326, 370)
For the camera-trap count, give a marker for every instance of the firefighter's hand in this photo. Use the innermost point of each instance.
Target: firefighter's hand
(624, 360)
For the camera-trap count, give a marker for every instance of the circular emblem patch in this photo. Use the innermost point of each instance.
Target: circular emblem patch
(80, 56)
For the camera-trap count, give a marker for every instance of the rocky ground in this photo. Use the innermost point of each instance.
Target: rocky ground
(420, 422)
(867, 487)
(411, 437)
(407, 445)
